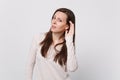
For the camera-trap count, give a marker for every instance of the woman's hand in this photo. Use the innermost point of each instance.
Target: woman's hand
(71, 30)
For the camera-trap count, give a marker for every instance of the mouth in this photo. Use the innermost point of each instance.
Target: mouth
(53, 26)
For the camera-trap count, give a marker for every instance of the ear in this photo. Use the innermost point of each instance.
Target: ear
(67, 27)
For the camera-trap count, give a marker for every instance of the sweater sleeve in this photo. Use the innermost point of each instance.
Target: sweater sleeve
(71, 56)
(31, 58)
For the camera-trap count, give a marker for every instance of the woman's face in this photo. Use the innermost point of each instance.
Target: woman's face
(58, 23)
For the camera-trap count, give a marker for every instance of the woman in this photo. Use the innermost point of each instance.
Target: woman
(52, 54)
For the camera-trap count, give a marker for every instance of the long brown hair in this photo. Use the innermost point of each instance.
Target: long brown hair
(61, 56)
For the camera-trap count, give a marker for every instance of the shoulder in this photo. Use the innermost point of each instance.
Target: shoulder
(39, 36)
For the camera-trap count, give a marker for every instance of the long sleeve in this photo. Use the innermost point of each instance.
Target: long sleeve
(31, 59)
(71, 56)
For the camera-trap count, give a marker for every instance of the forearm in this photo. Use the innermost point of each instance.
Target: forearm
(71, 56)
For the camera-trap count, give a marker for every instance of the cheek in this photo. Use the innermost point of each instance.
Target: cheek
(61, 27)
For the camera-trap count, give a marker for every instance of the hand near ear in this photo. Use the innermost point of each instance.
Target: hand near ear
(71, 30)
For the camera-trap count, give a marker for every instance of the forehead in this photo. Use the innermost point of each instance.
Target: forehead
(60, 15)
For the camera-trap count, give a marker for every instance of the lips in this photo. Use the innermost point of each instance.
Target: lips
(53, 26)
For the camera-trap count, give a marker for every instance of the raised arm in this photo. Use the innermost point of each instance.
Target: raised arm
(71, 56)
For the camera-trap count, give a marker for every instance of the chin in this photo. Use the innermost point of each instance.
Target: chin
(56, 31)
(52, 30)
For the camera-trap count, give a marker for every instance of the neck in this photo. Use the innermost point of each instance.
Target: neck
(57, 38)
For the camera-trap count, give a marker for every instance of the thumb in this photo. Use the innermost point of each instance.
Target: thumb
(66, 32)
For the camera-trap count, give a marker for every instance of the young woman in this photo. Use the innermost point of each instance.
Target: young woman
(52, 54)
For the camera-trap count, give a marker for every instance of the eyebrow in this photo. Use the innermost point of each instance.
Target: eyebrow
(58, 17)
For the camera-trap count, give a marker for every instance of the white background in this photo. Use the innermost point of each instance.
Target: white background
(97, 35)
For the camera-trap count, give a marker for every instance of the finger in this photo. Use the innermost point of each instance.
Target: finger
(71, 27)
(70, 22)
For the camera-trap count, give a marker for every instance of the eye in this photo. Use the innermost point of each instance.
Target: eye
(59, 20)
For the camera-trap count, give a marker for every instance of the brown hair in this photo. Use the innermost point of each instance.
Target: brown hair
(61, 56)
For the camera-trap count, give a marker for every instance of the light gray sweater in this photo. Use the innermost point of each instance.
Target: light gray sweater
(47, 68)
